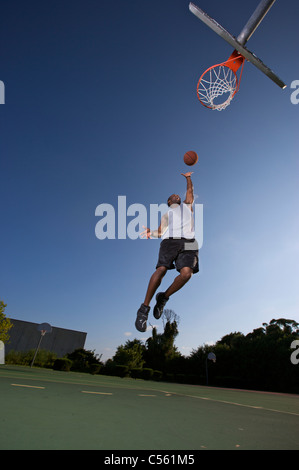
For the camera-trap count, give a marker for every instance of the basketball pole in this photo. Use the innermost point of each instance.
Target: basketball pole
(36, 351)
(254, 21)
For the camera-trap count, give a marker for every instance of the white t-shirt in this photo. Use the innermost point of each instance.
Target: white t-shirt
(180, 222)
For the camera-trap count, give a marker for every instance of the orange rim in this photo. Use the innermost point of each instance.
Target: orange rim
(234, 62)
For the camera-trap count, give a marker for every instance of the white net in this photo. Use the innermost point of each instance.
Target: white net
(217, 87)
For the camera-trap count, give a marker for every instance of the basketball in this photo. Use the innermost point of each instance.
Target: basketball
(190, 158)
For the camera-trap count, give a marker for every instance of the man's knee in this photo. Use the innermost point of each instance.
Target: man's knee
(186, 273)
(161, 271)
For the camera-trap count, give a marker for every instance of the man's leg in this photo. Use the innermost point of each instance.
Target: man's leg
(154, 283)
(142, 314)
(179, 281)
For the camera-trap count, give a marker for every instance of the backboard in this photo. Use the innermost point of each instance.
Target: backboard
(44, 327)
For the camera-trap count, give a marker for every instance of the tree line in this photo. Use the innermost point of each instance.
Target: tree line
(265, 359)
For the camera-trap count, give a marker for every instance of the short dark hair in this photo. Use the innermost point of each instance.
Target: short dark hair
(170, 197)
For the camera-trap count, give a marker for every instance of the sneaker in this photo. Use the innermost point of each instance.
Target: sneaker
(161, 301)
(141, 319)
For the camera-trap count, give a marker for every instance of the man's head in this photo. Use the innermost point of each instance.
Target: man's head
(173, 199)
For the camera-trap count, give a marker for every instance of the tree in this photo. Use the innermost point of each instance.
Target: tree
(286, 325)
(160, 348)
(131, 354)
(258, 333)
(232, 340)
(5, 324)
(169, 316)
(82, 359)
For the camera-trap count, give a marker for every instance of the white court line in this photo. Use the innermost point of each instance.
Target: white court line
(242, 404)
(27, 386)
(143, 395)
(96, 393)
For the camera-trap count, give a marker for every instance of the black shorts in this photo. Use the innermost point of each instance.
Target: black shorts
(178, 253)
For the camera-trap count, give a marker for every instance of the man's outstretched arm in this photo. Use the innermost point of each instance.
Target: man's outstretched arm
(148, 233)
(189, 195)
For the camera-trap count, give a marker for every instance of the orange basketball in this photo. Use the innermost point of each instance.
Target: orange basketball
(190, 158)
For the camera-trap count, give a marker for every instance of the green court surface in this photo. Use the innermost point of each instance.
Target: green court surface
(46, 409)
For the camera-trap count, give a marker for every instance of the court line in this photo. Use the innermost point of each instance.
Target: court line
(144, 395)
(96, 393)
(27, 386)
(245, 406)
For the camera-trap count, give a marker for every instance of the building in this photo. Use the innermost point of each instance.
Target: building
(25, 335)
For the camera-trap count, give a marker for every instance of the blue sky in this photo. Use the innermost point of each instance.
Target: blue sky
(100, 101)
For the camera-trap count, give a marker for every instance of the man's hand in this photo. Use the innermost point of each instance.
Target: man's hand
(189, 173)
(146, 233)
(189, 194)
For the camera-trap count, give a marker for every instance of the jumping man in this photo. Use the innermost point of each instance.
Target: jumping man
(178, 250)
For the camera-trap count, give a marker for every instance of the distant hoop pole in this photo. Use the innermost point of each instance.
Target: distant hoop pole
(43, 328)
(211, 356)
(36, 351)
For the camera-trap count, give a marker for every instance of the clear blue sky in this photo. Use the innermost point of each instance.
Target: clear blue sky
(101, 102)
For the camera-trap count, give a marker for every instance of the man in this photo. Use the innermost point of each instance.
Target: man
(178, 250)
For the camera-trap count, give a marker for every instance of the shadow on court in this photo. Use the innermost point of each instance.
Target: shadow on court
(46, 409)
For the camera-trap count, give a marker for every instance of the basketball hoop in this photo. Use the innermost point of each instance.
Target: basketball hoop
(218, 84)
